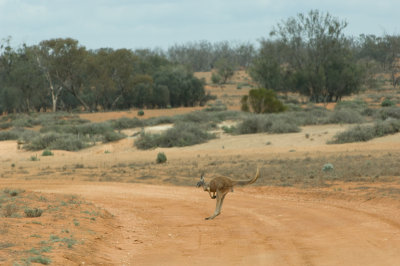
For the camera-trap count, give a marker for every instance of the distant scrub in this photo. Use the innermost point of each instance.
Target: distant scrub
(357, 105)
(125, 122)
(388, 112)
(17, 133)
(268, 123)
(345, 116)
(182, 134)
(57, 141)
(367, 132)
(387, 103)
(9, 135)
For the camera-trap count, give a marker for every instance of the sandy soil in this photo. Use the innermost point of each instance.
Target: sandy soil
(153, 222)
(164, 225)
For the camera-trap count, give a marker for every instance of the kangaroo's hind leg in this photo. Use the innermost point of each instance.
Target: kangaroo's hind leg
(220, 200)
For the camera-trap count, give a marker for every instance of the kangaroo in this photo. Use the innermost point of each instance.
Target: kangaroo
(219, 186)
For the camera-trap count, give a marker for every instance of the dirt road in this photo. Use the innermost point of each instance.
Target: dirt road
(164, 225)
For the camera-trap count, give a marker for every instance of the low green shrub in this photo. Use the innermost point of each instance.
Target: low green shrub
(388, 112)
(274, 123)
(5, 125)
(216, 78)
(111, 136)
(147, 141)
(344, 116)
(34, 158)
(140, 113)
(367, 132)
(10, 210)
(387, 103)
(327, 167)
(35, 212)
(125, 122)
(182, 134)
(47, 152)
(356, 105)
(58, 141)
(216, 107)
(40, 259)
(161, 157)
(9, 135)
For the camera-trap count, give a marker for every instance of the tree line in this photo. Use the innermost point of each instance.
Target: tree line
(308, 54)
(61, 74)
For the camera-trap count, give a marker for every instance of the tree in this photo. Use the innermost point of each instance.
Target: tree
(268, 65)
(262, 101)
(385, 50)
(225, 69)
(184, 88)
(62, 62)
(21, 82)
(392, 49)
(310, 49)
(26, 77)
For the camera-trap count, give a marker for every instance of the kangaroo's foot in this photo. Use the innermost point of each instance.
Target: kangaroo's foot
(212, 217)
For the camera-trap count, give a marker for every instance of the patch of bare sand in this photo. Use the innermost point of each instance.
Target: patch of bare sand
(148, 113)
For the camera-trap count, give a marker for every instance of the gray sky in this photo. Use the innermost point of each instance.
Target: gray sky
(156, 23)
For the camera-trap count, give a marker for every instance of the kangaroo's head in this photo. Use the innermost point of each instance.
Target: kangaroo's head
(201, 182)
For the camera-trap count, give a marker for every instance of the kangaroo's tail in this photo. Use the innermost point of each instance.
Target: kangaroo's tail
(248, 182)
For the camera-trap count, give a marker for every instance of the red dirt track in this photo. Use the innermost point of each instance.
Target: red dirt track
(164, 225)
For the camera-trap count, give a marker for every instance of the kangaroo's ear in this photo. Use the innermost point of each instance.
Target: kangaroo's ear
(202, 176)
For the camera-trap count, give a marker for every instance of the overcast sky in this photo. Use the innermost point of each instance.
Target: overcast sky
(162, 23)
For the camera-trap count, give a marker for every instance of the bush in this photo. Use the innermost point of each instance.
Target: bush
(5, 125)
(13, 192)
(47, 153)
(40, 259)
(182, 134)
(344, 116)
(161, 157)
(57, 141)
(262, 101)
(365, 133)
(216, 78)
(388, 112)
(140, 113)
(125, 122)
(268, 124)
(216, 107)
(9, 135)
(356, 105)
(9, 210)
(34, 158)
(111, 136)
(327, 167)
(387, 103)
(33, 212)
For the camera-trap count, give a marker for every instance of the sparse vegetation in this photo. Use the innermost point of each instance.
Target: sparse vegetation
(367, 132)
(35, 212)
(24, 211)
(182, 134)
(40, 259)
(161, 157)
